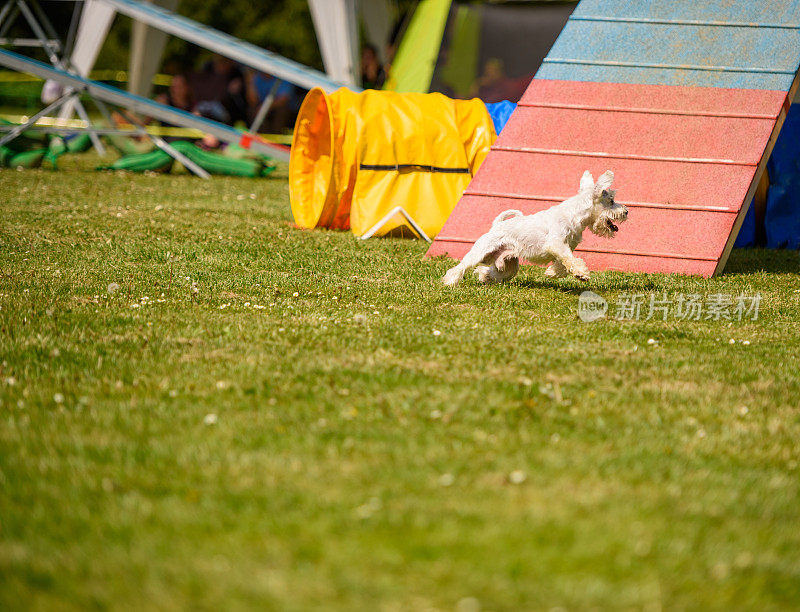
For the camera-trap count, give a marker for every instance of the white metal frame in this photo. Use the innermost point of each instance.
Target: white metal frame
(101, 93)
(388, 216)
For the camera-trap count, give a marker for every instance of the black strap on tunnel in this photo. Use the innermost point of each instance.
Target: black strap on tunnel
(421, 167)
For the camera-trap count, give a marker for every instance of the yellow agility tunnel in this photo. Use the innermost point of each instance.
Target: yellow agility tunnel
(357, 156)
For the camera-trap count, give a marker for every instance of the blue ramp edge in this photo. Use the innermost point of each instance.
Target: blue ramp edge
(754, 14)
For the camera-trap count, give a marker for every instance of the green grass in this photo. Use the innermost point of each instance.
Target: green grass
(359, 461)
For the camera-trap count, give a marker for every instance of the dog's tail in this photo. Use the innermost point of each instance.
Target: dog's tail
(506, 214)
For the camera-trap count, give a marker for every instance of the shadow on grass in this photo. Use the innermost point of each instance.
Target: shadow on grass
(748, 261)
(600, 281)
(551, 285)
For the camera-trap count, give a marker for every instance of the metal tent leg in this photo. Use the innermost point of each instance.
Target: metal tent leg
(101, 150)
(8, 14)
(265, 106)
(58, 63)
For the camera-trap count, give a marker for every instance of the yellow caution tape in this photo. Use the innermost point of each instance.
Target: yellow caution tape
(98, 75)
(155, 130)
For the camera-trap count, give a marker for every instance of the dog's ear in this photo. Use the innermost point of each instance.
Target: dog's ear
(587, 181)
(604, 182)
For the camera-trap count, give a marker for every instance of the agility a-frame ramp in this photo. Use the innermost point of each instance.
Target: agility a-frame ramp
(683, 100)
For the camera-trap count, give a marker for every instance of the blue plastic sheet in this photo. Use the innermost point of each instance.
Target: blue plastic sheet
(500, 112)
(747, 233)
(782, 216)
(782, 219)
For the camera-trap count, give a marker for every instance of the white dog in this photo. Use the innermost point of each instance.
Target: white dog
(548, 236)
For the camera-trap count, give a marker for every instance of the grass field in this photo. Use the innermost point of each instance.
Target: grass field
(267, 418)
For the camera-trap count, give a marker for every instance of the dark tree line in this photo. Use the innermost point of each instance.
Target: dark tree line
(283, 26)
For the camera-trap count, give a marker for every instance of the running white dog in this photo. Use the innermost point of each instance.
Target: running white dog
(548, 236)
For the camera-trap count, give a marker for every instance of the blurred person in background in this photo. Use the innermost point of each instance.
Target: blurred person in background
(179, 94)
(494, 86)
(284, 105)
(372, 73)
(219, 91)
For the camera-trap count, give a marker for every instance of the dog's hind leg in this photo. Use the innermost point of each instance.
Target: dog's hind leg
(556, 270)
(491, 275)
(504, 268)
(511, 268)
(488, 275)
(483, 251)
(506, 261)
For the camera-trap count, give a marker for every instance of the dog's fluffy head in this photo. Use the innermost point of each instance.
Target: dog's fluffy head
(606, 213)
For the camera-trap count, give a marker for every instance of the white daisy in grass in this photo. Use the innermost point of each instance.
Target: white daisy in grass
(517, 477)
(468, 604)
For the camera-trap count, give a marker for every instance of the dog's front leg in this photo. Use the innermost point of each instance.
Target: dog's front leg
(573, 265)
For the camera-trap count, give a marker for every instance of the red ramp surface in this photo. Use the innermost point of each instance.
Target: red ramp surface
(685, 161)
